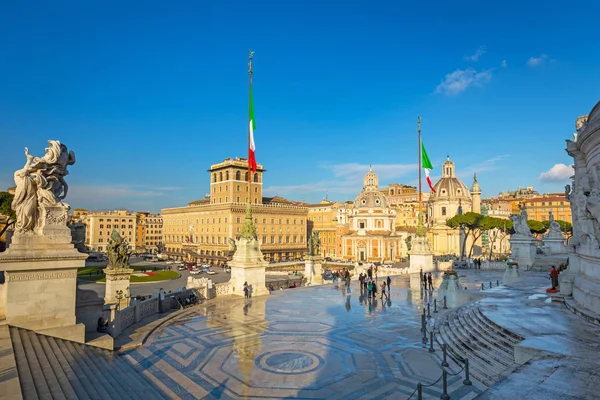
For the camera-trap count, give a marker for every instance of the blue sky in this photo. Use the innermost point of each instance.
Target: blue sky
(149, 94)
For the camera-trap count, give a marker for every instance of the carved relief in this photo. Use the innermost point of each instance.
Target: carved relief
(36, 276)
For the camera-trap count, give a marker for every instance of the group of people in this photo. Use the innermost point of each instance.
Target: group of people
(426, 280)
(247, 290)
(369, 285)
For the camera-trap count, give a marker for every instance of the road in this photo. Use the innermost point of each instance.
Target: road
(145, 289)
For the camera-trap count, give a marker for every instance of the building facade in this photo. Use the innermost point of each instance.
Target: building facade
(203, 230)
(367, 227)
(99, 227)
(322, 218)
(451, 197)
(538, 208)
(149, 231)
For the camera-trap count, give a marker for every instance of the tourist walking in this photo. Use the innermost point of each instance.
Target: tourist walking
(369, 288)
(554, 277)
(374, 290)
(425, 281)
(246, 293)
(430, 281)
(421, 277)
(383, 285)
(389, 282)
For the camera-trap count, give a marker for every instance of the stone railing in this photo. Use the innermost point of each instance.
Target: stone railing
(223, 288)
(147, 307)
(126, 317)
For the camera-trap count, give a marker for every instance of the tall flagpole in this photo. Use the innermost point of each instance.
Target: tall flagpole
(420, 217)
(250, 55)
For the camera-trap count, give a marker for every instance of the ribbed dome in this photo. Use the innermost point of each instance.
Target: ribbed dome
(449, 186)
(370, 199)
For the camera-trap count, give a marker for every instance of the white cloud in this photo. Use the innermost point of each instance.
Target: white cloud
(559, 172)
(347, 180)
(475, 57)
(537, 61)
(461, 79)
(504, 65)
(490, 164)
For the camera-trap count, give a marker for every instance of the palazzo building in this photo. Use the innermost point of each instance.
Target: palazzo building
(149, 231)
(322, 218)
(367, 227)
(100, 225)
(451, 197)
(203, 230)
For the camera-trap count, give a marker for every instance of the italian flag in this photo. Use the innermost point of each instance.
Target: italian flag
(426, 166)
(251, 128)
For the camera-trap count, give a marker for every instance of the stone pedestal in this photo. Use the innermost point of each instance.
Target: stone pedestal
(511, 274)
(554, 245)
(313, 271)
(421, 256)
(248, 265)
(117, 279)
(523, 250)
(41, 278)
(450, 282)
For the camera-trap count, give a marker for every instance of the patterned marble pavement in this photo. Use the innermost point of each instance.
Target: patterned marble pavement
(308, 343)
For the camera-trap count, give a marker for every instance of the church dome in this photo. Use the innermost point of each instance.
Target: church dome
(371, 197)
(449, 186)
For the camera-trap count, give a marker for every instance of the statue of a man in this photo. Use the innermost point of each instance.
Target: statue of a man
(314, 244)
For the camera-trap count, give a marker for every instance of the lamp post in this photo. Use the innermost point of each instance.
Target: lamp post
(119, 296)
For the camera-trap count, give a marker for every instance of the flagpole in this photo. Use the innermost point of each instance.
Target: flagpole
(420, 150)
(250, 54)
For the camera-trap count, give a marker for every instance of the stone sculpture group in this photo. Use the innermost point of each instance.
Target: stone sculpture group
(40, 183)
(118, 251)
(520, 223)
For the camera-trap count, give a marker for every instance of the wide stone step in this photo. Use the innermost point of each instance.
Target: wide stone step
(70, 385)
(50, 373)
(100, 371)
(94, 387)
(512, 337)
(477, 370)
(484, 342)
(39, 382)
(472, 350)
(139, 386)
(492, 336)
(480, 369)
(25, 377)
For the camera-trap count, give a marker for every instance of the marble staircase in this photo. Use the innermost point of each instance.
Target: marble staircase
(52, 368)
(468, 333)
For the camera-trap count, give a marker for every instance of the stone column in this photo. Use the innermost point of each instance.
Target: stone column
(248, 266)
(117, 279)
(313, 271)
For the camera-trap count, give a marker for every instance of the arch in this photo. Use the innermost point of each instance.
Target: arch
(256, 178)
(220, 176)
(238, 176)
(215, 177)
(226, 175)
(246, 177)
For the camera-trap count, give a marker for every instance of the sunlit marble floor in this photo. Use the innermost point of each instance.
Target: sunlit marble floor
(320, 342)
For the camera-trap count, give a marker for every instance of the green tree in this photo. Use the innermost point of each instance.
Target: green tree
(474, 225)
(537, 227)
(6, 210)
(497, 229)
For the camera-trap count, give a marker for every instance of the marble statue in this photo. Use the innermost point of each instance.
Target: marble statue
(314, 244)
(118, 251)
(41, 183)
(520, 223)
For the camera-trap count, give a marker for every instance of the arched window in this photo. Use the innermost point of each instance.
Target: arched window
(237, 175)
(256, 178)
(220, 176)
(443, 211)
(214, 177)
(246, 177)
(226, 175)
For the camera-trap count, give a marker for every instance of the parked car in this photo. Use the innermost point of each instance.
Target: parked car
(181, 268)
(170, 262)
(211, 272)
(195, 272)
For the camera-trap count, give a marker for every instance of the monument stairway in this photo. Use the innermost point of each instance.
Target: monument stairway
(469, 334)
(52, 368)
